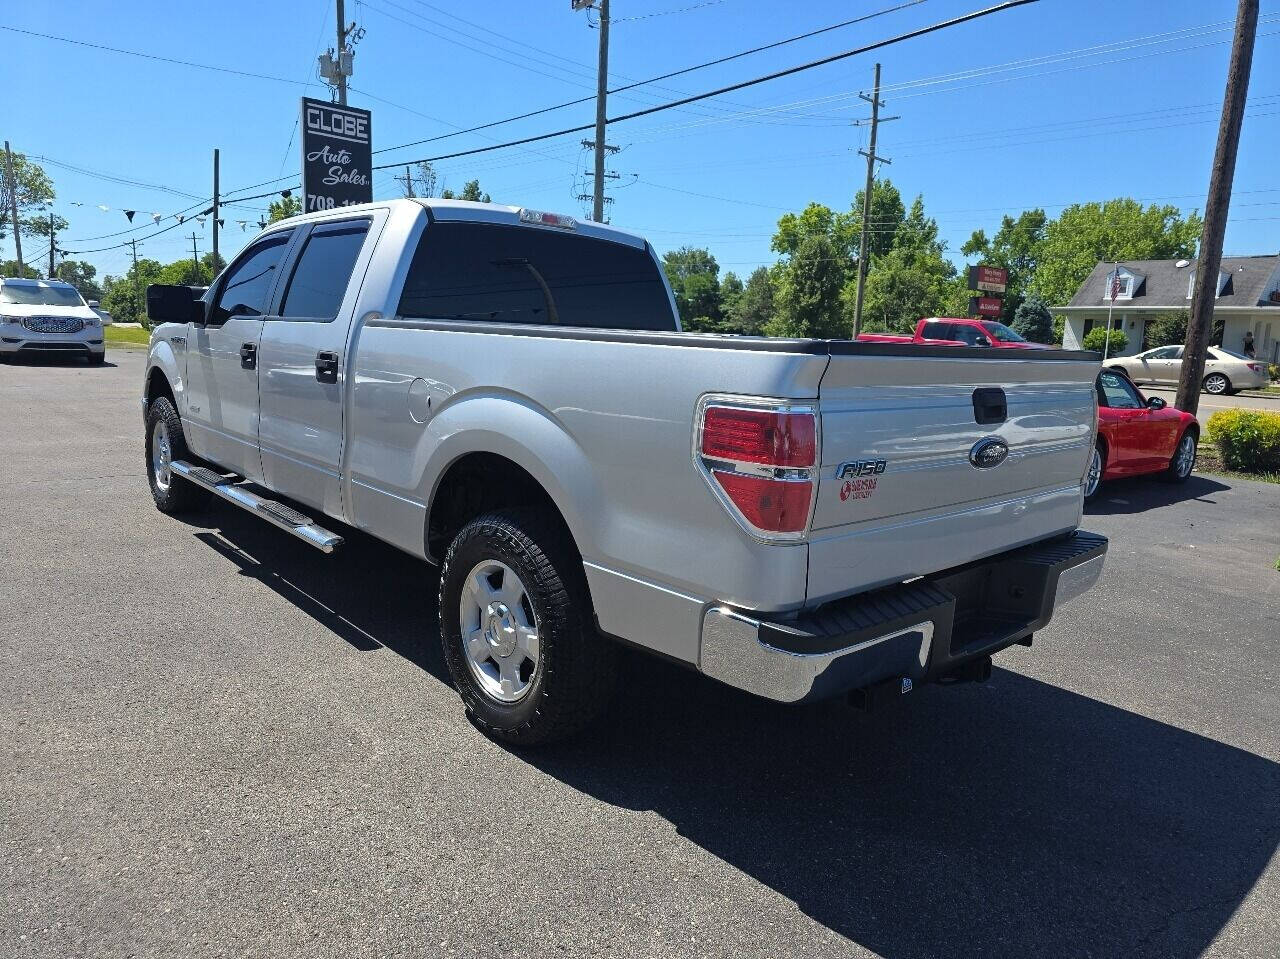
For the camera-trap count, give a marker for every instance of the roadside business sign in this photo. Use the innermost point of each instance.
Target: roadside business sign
(989, 279)
(985, 305)
(337, 155)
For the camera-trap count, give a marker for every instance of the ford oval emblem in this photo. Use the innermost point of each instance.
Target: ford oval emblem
(989, 453)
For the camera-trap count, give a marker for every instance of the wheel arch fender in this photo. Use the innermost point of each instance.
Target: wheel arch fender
(526, 435)
(162, 361)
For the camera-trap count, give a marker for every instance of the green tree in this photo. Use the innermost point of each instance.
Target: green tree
(283, 208)
(1120, 229)
(1167, 329)
(913, 279)
(694, 277)
(1033, 320)
(750, 310)
(1017, 248)
(1096, 339)
(10, 268)
(80, 274)
(125, 297)
(808, 291)
(33, 188)
(470, 191)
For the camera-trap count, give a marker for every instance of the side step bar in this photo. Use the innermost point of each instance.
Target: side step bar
(289, 520)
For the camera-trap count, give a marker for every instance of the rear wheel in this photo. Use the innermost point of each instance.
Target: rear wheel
(1184, 458)
(1093, 478)
(518, 632)
(165, 443)
(1217, 384)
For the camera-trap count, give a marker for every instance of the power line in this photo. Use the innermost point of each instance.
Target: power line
(743, 84)
(150, 56)
(664, 76)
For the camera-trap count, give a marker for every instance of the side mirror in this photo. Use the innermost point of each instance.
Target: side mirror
(173, 304)
(94, 304)
(1155, 403)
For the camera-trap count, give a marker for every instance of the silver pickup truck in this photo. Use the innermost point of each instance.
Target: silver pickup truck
(507, 395)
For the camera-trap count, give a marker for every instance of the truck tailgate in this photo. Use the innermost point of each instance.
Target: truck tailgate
(899, 494)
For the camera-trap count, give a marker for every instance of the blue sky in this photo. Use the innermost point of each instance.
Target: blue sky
(1110, 99)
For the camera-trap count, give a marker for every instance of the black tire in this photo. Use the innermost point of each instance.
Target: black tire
(1099, 450)
(179, 496)
(97, 359)
(1221, 385)
(1174, 472)
(574, 675)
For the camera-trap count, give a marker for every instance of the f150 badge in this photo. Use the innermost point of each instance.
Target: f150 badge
(860, 478)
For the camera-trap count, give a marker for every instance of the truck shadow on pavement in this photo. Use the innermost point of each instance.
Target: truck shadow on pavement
(1012, 818)
(1141, 493)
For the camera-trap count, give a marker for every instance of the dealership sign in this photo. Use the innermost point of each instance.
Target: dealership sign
(337, 154)
(989, 279)
(985, 305)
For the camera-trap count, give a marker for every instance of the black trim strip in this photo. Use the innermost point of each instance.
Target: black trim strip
(732, 342)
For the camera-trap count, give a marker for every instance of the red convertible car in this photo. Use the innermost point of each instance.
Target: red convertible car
(1138, 435)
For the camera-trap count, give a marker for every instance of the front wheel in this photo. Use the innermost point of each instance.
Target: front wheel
(1216, 384)
(518, 632)
(165, 443)
(1093, 478)
(1183, 460)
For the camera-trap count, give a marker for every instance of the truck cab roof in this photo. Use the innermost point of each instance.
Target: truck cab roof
(467, 210)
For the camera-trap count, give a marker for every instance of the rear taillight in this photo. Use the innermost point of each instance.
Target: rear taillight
(1256, 367)
(760, 458)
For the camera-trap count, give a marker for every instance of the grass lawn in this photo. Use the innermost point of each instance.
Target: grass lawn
(1208, 461)
(126, 336)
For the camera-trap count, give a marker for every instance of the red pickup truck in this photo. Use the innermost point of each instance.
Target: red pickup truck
(958, 331)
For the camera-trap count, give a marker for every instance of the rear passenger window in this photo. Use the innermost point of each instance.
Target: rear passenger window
(320, 279)
(524, 274)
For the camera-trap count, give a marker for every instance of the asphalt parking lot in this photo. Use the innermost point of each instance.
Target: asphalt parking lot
(217, 741)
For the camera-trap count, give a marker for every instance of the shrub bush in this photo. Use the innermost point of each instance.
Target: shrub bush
(1096, 338)
(1247, 440)
(1274, 370)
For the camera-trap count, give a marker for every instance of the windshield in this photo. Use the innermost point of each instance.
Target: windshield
(1002, 333)
(39, 295)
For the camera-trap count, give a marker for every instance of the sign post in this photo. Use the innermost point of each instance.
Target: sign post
(337, 155)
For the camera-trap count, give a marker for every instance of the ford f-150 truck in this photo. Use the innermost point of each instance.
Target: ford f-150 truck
(507, 394)
(959, 331)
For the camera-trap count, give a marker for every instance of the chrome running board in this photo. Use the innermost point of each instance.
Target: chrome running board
(277, 514)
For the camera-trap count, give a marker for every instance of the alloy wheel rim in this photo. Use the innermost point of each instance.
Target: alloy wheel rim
(1095, 473)
(499, 631)
(161, 456)
(1186, 455)
(1215, 384)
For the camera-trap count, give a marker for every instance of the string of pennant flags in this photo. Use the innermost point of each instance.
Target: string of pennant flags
(200, 218)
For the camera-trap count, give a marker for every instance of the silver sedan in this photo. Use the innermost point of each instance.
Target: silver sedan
(1225, 371)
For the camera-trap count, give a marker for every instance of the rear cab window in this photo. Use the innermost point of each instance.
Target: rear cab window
(500, 273)
(323, 272)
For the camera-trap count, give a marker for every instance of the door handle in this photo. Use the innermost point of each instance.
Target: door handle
(327, 367)
(249, 356)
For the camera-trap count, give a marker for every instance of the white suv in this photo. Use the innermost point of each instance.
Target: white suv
(47, 316)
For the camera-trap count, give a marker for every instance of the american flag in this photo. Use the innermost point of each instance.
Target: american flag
(1115, 284)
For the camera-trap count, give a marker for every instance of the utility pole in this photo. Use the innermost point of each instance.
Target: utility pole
(216, 261)
(602, 89)
(137, 300)
(195, 261)
(408, 181)
(1216, 207)
(52, 274)
(13, 205)
(342, 45)
(872, 159)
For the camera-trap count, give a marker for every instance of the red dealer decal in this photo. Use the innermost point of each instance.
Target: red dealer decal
(858, 488)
